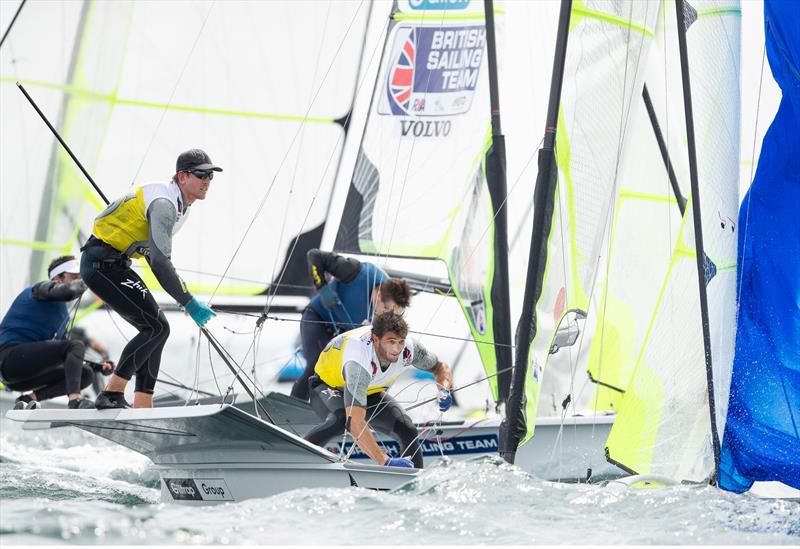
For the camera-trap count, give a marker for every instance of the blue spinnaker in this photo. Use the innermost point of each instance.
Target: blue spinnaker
(762, 434)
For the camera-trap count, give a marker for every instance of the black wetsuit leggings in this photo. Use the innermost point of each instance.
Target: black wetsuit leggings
(49, 368)
(122, 290)
(384, 415)
(314, 335)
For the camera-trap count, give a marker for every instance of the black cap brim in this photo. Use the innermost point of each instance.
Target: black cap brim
(207, 167)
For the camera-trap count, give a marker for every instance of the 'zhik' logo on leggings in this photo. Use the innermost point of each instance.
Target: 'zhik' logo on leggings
(136, 285)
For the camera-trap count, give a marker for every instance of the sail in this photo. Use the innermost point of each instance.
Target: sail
(418, 188)
(27, 155)
(762, 436)
(644, 224)
(265, 88)
(664, 424)
(603, 70)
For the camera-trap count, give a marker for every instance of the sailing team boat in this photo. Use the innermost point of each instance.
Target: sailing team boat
(461, 38)
(418, 116)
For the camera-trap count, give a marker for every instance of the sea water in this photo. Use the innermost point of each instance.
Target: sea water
(67, 486)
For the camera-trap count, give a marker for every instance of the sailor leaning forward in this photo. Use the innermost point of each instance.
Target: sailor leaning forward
(141, 224)
(349, 389)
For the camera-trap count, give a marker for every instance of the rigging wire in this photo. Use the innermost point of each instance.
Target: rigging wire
(419, 332)
(270, 299)
(172, 94)
(359, 85)
(280, 165)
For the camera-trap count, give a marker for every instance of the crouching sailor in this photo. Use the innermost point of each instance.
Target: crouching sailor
(349, 389)
(141, 224)
(349, 293)
(34, 355)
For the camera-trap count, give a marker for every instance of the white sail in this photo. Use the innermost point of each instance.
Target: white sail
(644, 224)
(603, 73)
(263, 87)
(664, 421)
(418, 188)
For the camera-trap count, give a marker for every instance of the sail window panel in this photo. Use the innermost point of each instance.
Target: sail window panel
(525, 55)
(24, 158)
(140, 147)
(663, 425)
(278, 58)
(643, 235)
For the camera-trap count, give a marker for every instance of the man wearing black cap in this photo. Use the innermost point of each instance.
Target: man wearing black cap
(141, 224)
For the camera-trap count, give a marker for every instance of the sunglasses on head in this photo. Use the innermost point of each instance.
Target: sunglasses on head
(202, 174)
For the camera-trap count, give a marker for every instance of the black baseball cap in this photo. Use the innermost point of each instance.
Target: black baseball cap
(195, 159)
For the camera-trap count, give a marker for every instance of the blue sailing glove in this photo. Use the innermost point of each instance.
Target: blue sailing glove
(445, 400)
(399, 462)
(329, 297)
(199, 312)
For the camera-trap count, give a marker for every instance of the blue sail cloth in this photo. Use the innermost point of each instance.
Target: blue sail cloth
(762, 433)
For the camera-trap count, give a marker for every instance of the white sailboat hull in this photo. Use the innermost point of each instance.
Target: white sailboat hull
(211, 453)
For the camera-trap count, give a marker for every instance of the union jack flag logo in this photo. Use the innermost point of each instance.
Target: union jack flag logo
(401, 76)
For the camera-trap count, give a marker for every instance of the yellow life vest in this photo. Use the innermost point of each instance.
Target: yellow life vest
(357, 346)
(123, 224)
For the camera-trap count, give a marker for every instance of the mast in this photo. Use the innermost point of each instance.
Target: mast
(46, 205)
(496, 181)
(544, 198)
(698, 227)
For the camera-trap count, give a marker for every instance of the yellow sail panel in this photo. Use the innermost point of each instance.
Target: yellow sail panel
(608, 44)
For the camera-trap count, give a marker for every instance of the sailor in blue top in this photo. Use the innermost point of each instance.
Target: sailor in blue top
(349, 293)
(34, 354)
